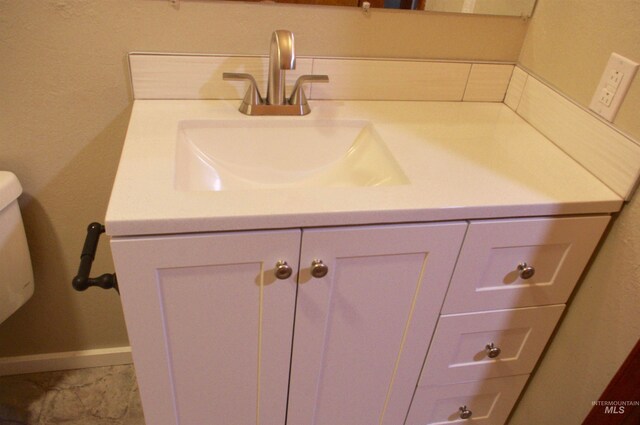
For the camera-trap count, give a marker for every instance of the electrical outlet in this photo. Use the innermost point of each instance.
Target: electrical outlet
(606, 97)
(613, 86)
(614, 78)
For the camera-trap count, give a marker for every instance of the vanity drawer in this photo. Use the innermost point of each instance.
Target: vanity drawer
(555, 251)
(486, 402)
(460, 349)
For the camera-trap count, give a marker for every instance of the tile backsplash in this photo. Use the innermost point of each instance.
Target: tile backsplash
(166, 76)
(609, 155)
(364, 79)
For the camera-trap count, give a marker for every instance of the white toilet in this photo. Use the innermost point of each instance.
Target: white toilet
(16, 274)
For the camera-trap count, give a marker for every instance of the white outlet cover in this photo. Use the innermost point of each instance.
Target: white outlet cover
(618, 85)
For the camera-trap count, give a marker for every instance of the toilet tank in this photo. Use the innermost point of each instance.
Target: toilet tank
(16, 274)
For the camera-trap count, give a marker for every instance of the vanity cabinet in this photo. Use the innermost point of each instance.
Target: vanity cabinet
(211, 325)
(331, 326)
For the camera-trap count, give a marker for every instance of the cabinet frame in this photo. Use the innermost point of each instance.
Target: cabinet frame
(137, 257)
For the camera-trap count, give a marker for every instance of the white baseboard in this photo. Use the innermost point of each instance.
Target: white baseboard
(64, 361)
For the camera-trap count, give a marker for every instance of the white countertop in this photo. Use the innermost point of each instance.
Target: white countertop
(464, 160)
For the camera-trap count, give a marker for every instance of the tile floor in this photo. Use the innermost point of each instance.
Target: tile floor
(95, 396)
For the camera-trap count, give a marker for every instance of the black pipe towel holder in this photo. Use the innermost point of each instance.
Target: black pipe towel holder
(82, 280)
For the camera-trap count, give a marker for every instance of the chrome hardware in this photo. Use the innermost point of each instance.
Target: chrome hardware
(297, 95)
(282, 57)
(526, 271)
(492, 351)
(252, 98)
(464, 412)
(319, 269)
(283, 270)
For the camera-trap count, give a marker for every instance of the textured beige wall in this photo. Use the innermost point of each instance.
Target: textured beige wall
(568, 44)
(65, 102)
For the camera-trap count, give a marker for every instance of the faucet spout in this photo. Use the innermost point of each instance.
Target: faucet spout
(282, 57)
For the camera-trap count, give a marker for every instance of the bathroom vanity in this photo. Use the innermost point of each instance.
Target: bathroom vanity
(403, 263)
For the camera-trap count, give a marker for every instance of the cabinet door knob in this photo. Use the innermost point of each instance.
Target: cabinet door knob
(283, 270)
(464, 412)
(492, 351)
(319, 269)
(526, 271)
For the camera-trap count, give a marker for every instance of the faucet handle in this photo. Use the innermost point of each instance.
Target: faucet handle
(297, 95)
(252, 97)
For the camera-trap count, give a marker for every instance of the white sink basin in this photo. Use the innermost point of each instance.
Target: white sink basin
(273, 153)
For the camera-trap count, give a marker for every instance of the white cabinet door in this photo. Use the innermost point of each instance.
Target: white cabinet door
(209, 324)
(362, 331)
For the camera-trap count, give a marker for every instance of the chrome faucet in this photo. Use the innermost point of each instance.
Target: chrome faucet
(282, 57)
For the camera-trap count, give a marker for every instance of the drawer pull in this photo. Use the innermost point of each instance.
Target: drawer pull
(319, 269)
(526, 271)
(492, 351)
(464, 412)
(283, 270)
